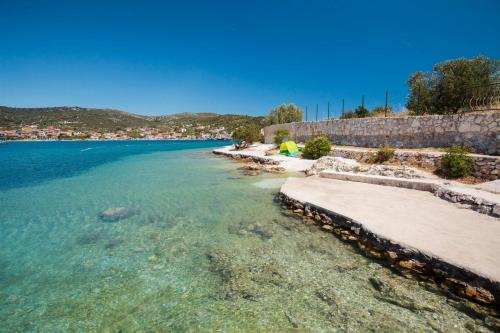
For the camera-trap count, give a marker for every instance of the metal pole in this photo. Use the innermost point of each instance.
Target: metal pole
(385, 110)
(316, 112)
(306, 112)
(342, 106)
(328, 112)
(418, 100)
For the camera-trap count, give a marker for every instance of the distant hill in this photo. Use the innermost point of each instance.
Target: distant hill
(109, 119)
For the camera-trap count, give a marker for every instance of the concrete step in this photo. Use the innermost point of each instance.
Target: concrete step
(479, 200)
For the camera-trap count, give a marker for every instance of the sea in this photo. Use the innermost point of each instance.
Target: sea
(164, 236)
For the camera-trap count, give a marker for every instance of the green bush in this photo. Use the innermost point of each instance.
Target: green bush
(246, 135)
(281, 135)
(317, 147)
(456, 163)
(362, 112)
(383, 154)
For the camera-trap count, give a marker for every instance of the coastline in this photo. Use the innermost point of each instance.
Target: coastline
(451, 274)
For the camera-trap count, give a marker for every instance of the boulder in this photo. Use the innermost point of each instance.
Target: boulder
(394, 171)
(334, 163)
(115, 214)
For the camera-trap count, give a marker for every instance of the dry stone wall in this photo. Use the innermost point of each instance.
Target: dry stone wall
(486, 167)
(477, 130)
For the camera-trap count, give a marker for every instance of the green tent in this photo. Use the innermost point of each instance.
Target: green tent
(289, 148)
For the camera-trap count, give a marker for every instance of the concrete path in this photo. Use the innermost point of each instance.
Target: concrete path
(493, 186)
(414, 219)
(422, 184)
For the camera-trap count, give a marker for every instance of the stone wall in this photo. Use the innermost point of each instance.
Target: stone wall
(485, 167)
(478, 130)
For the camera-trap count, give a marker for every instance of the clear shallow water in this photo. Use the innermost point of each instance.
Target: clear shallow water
(208, 250)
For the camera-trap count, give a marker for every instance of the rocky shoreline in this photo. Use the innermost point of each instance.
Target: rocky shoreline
(247, 157)
(455, 280)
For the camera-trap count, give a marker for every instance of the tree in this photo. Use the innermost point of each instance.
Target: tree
(245, 135)
(420, 97)
(444, 89)
(285, 113)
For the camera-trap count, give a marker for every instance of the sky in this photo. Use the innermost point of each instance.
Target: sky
(244, 57)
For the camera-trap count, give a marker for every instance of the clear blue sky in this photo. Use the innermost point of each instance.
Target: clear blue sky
(160, 57)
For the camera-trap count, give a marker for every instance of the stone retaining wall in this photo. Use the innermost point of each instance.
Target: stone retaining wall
(485, 167)
(478, 130)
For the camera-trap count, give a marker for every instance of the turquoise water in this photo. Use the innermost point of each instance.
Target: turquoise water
(205, 249)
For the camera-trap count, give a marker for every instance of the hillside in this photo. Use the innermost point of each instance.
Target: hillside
(108, 119)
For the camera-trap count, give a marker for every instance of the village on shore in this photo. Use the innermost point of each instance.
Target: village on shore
(52, 133)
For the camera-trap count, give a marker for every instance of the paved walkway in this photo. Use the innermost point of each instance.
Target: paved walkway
(414, 219)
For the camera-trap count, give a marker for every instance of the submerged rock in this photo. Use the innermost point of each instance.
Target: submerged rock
(235, 277)
(245, 229)
(246, 277)
(115, 214)
(257, 167)
(391, 292)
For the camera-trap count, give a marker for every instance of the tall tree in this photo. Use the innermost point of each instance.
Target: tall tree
(444, 89)
(285, 113)
(420, 97)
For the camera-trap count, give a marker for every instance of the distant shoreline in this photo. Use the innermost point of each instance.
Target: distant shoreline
(81, 140)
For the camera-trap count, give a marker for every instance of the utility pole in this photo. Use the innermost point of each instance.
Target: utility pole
(328, 112)
(306, 112)
(342, 106)
(316, 112)
(363, 101)
(385, 110)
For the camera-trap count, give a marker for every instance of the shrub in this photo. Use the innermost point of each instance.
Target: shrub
(379, 111)
(383, 154)
(281, 135)
(317, 147)
(245, 135)
(348, 115)
(362, 112)
(456, 163)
